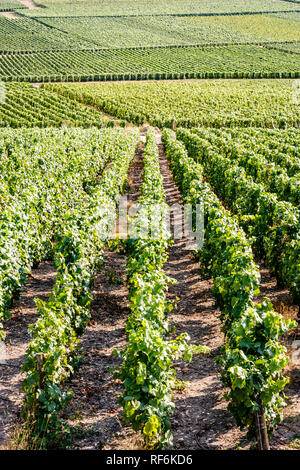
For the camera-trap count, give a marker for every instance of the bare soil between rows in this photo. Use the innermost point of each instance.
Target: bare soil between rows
(23, 314)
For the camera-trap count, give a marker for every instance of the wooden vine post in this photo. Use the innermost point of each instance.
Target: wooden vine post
(261, 427)
(39, 366)
(40, 370)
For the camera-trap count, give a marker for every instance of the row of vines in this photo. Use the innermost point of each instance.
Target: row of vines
(252, 358)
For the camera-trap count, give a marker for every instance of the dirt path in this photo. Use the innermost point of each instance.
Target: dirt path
(17, 340)
(30, 4)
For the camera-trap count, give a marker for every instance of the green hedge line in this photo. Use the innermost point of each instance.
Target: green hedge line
(145, 48)
(150, 76)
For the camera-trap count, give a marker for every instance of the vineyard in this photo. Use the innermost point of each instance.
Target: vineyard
(191, 104)
(163, 30)
(210, 62)
(26, 106)
(149, 225)
(96, 41)
(7, 5)
(23, 34)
